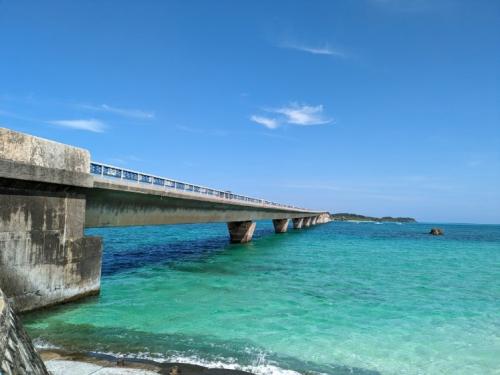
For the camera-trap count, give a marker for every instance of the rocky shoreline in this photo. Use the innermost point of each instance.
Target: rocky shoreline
(17, 354)
(60, 362)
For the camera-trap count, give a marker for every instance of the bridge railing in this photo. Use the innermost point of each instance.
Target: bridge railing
(109, 171)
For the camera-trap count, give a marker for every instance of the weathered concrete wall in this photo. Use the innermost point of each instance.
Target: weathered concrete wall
(17, 354)
(44, 257)
(24, 148)
(24, 157)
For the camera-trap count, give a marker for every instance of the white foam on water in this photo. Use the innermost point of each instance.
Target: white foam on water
(44, 344)
(259, 368)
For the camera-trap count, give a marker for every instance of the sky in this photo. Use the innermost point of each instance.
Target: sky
(376, 107)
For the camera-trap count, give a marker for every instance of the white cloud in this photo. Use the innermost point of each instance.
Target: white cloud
(269, 123)
(91, 125)
(316, 50)
(303, 115)
(294, 114)
(125, 112)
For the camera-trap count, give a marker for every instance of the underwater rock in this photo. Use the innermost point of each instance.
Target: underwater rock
(436, 232)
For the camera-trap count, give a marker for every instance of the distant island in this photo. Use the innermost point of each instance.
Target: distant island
(343, 216)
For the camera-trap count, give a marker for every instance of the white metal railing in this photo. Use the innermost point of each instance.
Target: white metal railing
(112, 172)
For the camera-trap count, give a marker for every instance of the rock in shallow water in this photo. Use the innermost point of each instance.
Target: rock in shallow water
(436, 232)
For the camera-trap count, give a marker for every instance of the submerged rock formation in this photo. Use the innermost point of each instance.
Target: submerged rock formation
(17, 354)
(436, 232)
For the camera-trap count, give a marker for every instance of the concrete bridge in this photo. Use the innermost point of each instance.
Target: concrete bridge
(49, 192)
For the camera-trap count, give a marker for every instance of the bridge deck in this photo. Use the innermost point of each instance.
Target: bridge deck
(122, 197)
(104, 173)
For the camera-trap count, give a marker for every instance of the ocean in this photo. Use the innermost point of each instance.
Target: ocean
(337, 298)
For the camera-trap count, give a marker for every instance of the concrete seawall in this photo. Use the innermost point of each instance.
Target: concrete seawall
(17, 354)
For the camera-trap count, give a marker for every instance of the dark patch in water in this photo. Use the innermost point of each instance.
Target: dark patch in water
(173, 251)
(203, 268)
(121, 256)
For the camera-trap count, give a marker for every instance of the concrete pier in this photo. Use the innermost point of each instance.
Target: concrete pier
(307, 222)
(280, 225)
(298, 223)
(44, 257)
(241, 231)
(314, 220)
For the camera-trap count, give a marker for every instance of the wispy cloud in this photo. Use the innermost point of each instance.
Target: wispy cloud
(294, 114)
(91, 125)
(125, 112)
(324, 49)
(483, 159)
(268, 122)
(303, 115)
(16, 116)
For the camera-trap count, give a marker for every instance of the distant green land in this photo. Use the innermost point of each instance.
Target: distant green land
(343, 216)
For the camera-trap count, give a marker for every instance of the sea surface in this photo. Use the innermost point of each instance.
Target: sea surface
(338, 298)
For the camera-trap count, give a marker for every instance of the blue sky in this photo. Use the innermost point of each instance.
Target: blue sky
(379, 107)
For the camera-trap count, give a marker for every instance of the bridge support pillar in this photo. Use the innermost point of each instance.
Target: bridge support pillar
(45, 258)
(307, 222)
(298, 223)
(280, 225)
(314, 220)
(241, 231)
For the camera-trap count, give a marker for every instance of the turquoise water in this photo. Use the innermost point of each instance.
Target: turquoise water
(339, 298)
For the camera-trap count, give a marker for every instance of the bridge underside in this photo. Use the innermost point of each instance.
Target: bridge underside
(110, 204)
